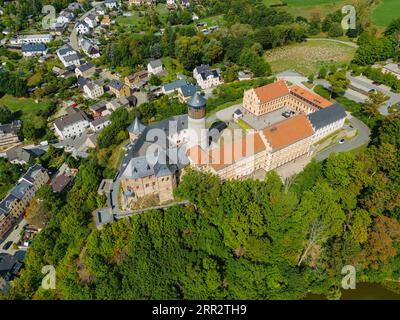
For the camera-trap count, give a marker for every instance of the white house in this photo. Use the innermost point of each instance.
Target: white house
(207, 78)
(89, 48)
(100, 123)
(71, 125)
(91, 21)
(92, 90)
(82, 27)
(68, 56)
(33, 38)
(65, 16)
(33, 49)
(327, 120)
(111, 4)
(155, 66)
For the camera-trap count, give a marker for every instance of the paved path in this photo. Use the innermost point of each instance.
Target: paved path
(349, 43)
(362, 138)
(140, 211)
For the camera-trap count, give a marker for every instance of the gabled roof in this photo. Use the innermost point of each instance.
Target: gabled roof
(116, 84)
(326, 116)
(289, 131)
(33, 47)
(155, 63)
(136, 127)
(70, 119)
(311, 97)
(189, 90)
(20, 189)
(271, 91)
(175, 85)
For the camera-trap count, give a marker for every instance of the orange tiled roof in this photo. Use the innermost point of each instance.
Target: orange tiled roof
(289, 131)
(226, 155)
(272, 91)
(310, 96)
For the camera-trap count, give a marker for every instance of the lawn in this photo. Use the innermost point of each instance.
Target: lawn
(385, 12)
(308, 57)
(26, 106)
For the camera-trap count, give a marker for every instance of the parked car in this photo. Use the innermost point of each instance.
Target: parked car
(341, 141)
(7, 245)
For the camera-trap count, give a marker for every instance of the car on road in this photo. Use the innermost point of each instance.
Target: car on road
(7, 245)
(372, 91)
(341, 141)
(287, 114)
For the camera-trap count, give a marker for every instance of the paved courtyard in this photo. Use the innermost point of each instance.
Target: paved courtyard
(294, 167)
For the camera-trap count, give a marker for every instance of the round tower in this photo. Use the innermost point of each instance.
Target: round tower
(197, 121)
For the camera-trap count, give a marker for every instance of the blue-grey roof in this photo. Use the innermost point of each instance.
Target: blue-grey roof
(5, 204)
(20, 189)
(32, 173)
(326, 116)
(116, 84)
(175, 85)
(33, 47)
(136, 127)
(197, 101)
(189, 90)
(141, 167)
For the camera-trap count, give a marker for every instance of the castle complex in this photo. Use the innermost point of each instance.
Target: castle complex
(157, 154)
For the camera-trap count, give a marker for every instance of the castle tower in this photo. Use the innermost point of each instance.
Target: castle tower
(198, 135)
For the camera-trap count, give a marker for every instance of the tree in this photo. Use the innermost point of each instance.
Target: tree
(373, 103)
(189, 51)
(339, 82)
(213, 52)
(335, 30)
(322, 73)
(6, 115)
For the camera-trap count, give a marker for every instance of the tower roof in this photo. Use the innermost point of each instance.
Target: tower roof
(197, 101)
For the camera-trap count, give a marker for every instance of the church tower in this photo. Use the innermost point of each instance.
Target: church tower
(198, 135)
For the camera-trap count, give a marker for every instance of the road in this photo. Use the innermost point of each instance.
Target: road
(362, 138)
(14, 236)
(73, 38)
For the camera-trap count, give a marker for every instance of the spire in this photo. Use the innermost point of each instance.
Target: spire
(197, 101)
(137, 127)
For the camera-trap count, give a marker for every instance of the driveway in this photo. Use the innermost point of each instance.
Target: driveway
(349, 43)
(292, 77)
(362, 138)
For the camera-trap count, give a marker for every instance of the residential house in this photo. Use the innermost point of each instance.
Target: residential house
(171, 5)
(173, 87)
(141, 2)
(137, 80)
(33, 49)
(207, 78)
(106, 21)
(100, 123)
(65, 16)
(119, 89)
(72, 124)
(186, 92)
(93, 90)
(61, 182)
(155, 67)
(82, 27)
(91, 21)
(79, 146)
(75, 6)
(392, 68)
(89, 48)
(185, 3)
(19, 155)
(86, 70)
(245, 75)
(114, 104)
(9, 134)
(99, 109)
(111, 4)
(68, 56)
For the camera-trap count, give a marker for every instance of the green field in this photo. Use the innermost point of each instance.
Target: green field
(308, 57)
(385, 12)
(27, 107)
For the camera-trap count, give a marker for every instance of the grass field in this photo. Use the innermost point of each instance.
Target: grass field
(385, 12)
(27, 106)
(308, 57)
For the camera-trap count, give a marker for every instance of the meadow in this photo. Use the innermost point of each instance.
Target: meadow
(385, 12)
(308, 57)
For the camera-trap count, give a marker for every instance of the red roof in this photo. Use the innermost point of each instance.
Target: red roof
(288, 132)
(272, 91)
(311, 97)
